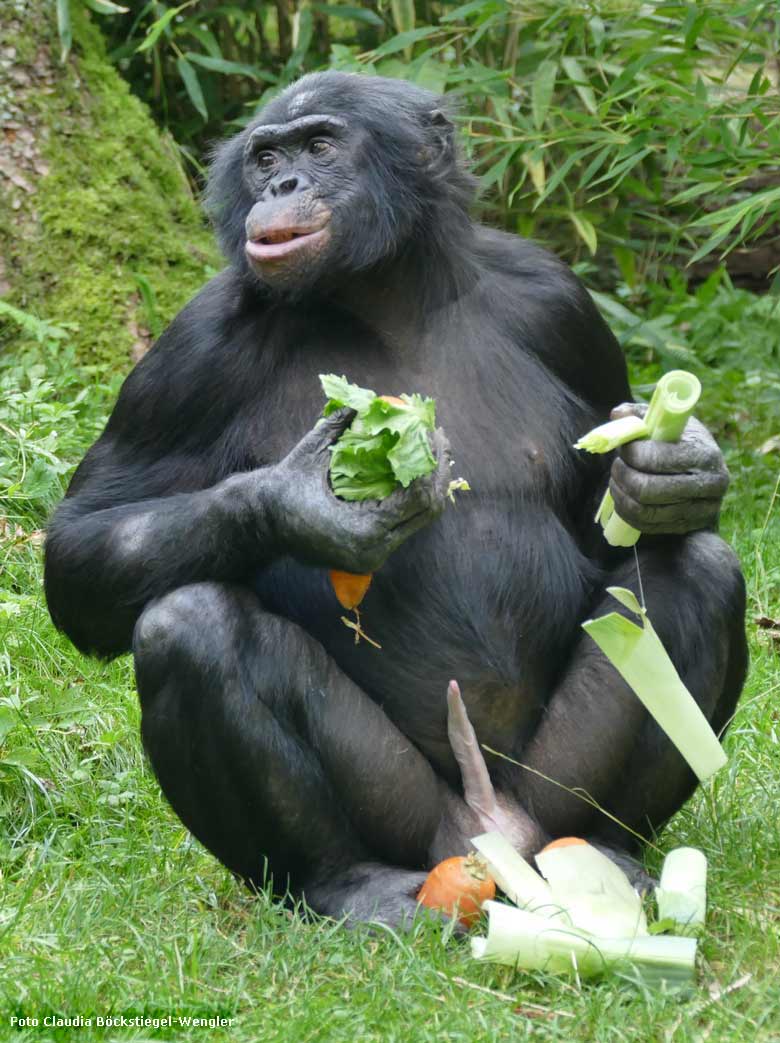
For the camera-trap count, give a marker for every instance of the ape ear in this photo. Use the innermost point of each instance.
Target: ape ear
(440, 150)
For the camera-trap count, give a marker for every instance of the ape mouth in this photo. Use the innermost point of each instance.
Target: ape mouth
(274, 243)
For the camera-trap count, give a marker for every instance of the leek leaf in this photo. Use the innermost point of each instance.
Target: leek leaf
(517, 879)
(594, 891)
(640, 658)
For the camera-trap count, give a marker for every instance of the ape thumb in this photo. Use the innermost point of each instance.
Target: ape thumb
(329, 429)
(628, 409)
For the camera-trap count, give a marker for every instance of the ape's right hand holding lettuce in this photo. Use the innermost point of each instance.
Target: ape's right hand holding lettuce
(385, 447)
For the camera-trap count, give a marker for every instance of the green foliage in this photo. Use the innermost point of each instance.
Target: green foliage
(110, 907)
(49, 411)
(112, 240)
(644, 132)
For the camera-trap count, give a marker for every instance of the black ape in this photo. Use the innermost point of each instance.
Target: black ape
(200, 527)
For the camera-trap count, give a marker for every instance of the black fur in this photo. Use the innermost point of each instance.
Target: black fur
(191, 535)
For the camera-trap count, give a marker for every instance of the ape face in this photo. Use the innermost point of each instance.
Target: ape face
(337, 175)
(305, 176)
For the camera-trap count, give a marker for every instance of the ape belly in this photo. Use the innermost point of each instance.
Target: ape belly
(492, 599)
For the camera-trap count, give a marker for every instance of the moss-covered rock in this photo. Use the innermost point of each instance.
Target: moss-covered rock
(98, 226)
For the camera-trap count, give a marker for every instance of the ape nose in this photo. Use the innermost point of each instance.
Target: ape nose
(285, 185)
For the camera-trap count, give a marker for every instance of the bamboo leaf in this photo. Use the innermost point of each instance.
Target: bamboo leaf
(764, 199)
(561, 172)
(580, 82)
(156, 29)
(404, 40)
(542, 91)
(694, 191)
(475, 7)
(64, 28)
(349, 14)
(498, 169)
(585, 230)
(534, 164)
(228, 68)
(105, 7)
(403, 15)
(192, 85)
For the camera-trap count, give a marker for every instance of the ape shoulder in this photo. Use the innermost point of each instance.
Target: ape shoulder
(176, 405)
(551, 314)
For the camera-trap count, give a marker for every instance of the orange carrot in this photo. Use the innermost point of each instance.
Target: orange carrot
(458, 886)
(349, 587)
(564, 842)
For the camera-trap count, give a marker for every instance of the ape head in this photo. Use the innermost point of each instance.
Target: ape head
(336, 175)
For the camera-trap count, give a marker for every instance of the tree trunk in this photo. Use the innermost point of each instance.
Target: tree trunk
(98, 227)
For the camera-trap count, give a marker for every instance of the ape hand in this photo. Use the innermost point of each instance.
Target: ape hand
(313, 525)
(669, 488)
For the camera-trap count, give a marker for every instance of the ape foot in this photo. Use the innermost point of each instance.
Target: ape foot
(638, 877)
(370, 893)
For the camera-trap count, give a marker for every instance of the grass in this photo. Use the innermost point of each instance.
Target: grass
(109, 908)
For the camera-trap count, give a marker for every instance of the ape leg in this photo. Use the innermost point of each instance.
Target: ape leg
(597, 736)
(268, 753)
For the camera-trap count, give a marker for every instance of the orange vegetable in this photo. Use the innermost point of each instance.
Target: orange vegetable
(564, 842)
(350, 587)
(458, 886)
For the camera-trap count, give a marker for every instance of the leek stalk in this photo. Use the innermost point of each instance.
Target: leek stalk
(673, 401)
(682, 890)
(585, 917)
(531, 942)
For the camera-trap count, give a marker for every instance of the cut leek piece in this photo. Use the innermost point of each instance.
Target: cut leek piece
(682, 891)
(606, 437)
(673, 401)
(640, 658)
(517, 879)
(594, 891)
(617, 533)
(530, 942)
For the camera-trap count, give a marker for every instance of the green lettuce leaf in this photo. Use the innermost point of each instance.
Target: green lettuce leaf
(386, 446)
(341, 393)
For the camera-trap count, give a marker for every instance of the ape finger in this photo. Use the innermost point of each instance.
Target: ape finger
(671, 519)
(326, 431)
(426, 494)
(661, 489)
(628, 409)
(696, 451)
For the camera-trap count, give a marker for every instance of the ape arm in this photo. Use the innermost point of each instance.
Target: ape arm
(103, 566)
(659, 488)
(154, 507)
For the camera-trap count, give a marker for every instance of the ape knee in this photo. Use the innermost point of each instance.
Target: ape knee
(180, 624)
(712, 568)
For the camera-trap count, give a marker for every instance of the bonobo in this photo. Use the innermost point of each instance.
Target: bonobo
(200, 528)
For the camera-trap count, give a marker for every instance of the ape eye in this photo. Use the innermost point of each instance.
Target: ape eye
(319, 146)
(266, 160)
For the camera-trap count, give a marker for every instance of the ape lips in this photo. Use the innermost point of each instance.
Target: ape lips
(280, 244)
